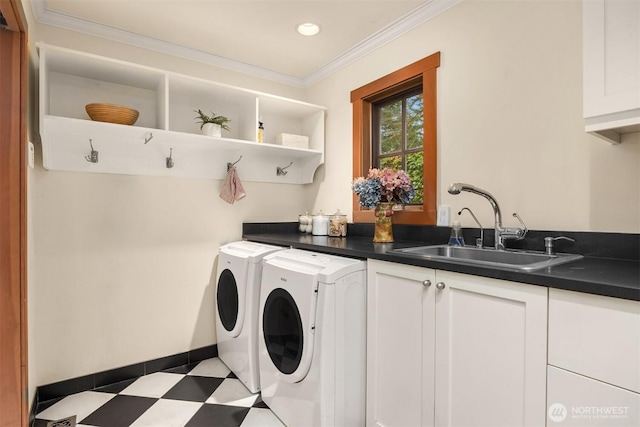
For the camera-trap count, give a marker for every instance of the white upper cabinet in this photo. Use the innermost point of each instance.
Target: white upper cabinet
(611, 55)
(166, 126)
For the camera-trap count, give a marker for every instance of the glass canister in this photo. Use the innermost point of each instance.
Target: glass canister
(338, 225)
(320, 224)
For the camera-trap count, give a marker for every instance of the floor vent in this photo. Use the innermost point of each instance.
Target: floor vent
(64, 422)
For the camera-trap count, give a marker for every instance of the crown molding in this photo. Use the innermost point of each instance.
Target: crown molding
(408, 22)
(416, 17)
(56, 19)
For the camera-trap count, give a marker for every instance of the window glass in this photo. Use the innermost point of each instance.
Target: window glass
(390, 129)
(415, 122)
(398, 136)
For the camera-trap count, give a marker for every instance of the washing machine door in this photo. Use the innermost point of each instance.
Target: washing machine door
(230, 303)
(288, 308)
(236, 283)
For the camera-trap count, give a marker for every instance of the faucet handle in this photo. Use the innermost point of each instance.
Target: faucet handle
(513, 233)
(523, 231)
(524, 227)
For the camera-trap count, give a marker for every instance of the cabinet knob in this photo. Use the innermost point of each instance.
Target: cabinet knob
(426, 283)
(440, 285)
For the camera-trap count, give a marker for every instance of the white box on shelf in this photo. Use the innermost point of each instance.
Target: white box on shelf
(291, 140)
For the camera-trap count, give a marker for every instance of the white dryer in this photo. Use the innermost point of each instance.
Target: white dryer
(237, 299)
(312, 338)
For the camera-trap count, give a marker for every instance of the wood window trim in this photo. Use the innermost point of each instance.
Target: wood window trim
(362, 98)
(13, 223)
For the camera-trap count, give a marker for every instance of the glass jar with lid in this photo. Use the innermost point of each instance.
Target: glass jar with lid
(304, 223)
(338, 225)
(320, 224)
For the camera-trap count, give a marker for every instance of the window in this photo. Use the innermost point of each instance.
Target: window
(397, 140)
(394, 125)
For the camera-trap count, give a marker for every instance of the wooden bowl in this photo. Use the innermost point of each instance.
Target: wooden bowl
(112, 113)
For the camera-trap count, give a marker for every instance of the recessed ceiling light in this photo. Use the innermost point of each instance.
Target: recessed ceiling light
(308, 29)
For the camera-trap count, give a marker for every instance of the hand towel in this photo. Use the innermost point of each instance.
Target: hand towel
(232, 189)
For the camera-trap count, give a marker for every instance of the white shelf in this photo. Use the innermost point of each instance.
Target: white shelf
(122, 150)
(166, 101)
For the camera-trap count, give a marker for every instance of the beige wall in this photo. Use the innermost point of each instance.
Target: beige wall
(121, 266)
(509, 119)
(125, 265)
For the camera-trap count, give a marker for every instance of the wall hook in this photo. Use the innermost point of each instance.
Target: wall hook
(230, 165)
(281, 171)
(93, 157)
(148, 138)
(169, 159)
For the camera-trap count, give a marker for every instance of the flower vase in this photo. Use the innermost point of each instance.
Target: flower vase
(383, 231)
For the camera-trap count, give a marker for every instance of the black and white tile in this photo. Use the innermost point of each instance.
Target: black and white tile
(206, 394)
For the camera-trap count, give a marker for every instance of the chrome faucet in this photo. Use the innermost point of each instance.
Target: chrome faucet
(479, 241)
(501, 233)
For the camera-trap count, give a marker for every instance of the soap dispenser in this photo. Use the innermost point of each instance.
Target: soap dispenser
(456, 238)
(260, 131)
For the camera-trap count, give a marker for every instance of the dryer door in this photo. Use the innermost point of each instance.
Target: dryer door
(282, 331)
(288, 307)
(230, 300)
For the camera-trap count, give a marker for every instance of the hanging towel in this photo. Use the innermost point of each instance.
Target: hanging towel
(232, 190)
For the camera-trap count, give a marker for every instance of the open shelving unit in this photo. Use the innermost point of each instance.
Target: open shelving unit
(166, 126)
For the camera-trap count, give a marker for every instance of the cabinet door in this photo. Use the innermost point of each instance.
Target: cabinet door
(491, 352)
(595, 336)
(575, 400)
(400, 354)
(611, 55)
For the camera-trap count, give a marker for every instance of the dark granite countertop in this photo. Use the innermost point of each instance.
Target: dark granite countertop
(611, 277)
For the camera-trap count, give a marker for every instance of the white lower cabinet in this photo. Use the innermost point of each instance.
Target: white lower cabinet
(576, 400)
(491, 352)
(400, 345)
(449, 349)
(594, 360)
(595, 336)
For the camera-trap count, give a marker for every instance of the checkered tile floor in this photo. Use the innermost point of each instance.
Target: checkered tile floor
(207, 394)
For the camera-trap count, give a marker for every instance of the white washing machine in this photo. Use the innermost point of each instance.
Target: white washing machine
(237, 300)
(312, 338)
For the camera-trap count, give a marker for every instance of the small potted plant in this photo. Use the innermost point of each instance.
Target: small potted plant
(212, 125)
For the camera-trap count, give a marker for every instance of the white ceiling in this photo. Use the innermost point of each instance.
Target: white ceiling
(257, 37)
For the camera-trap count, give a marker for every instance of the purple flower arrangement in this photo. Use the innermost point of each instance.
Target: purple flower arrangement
(383, 186)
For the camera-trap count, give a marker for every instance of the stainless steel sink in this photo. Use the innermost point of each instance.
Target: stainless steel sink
(510, 259)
